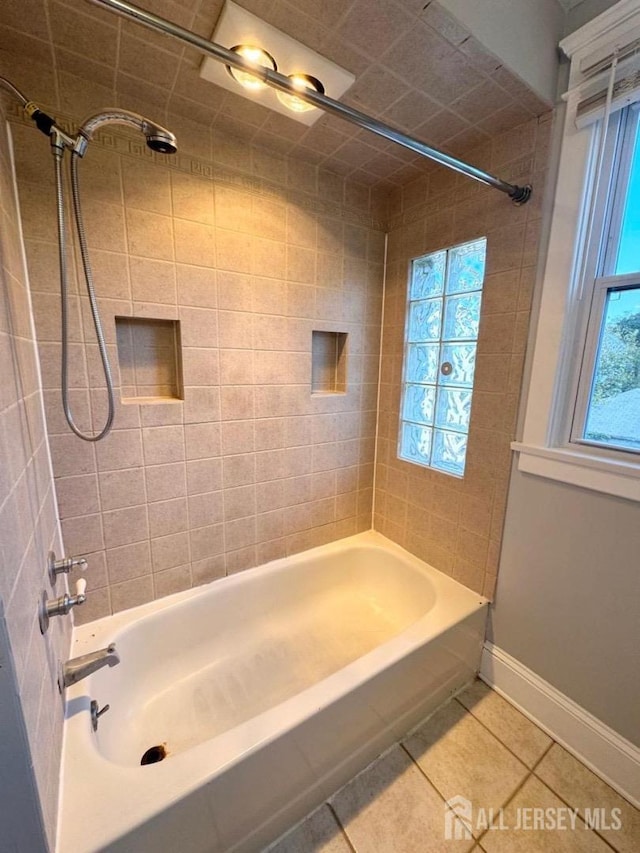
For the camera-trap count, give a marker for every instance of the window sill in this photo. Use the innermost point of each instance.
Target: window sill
(587, 470)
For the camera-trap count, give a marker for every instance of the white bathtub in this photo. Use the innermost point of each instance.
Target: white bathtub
(270, 689)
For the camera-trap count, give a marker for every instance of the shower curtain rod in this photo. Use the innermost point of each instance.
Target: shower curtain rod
(519, 195)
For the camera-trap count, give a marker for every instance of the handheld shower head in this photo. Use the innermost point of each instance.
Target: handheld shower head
(158, 138)
(162, 141)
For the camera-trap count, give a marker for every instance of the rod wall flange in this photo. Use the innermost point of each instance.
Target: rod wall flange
(521, 195)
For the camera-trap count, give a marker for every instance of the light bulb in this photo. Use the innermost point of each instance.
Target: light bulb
(257, 56)
(300, 82)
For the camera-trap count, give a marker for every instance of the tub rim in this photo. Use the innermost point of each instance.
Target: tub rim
(85, 634)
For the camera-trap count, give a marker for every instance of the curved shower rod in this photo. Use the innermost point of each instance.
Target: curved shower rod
(519, 195)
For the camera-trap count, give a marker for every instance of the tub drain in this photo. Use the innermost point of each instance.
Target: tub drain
(154, 754)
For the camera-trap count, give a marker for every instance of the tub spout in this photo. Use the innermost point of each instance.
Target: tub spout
(76, 669)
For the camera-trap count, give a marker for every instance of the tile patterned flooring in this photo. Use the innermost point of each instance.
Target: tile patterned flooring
(480, 747)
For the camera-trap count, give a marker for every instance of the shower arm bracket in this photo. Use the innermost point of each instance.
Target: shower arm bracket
(60, 141)
(47, 125)
(518, 194)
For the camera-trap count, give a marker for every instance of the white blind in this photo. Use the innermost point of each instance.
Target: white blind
(591, 95)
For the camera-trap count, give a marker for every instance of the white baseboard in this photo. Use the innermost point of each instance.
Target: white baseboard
(613, 758)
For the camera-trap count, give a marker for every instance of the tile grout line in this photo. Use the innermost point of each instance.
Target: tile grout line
(565, 801)
(521, 785)
(476, 841)
(536, 764)
(342, 828)
(511, 796)
(424, 775)
(501, 742)
(543, 756)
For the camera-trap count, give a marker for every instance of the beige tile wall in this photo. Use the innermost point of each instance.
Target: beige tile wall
(250, 251)
(30, 707)
(456, 524)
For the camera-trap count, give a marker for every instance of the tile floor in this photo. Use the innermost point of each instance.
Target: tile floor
(480, 747)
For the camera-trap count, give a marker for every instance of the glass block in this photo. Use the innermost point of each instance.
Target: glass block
(461, 317)
(466, 267)
(449, 451)
(423, 363)
(427, 276)
(462, 358)
(424, 320)
(416, 443)
(419, 403)
(453, 409)
(614, 404)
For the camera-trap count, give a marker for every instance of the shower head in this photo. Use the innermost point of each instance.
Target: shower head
(162, 141)
(158, 138)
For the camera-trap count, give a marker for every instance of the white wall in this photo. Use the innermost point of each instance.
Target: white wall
(522, 33)
(585, 11)
(568, 594)
(568, 589)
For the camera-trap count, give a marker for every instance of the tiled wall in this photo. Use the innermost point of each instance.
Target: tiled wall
(456, 524)
(251, 252)
(30, 728)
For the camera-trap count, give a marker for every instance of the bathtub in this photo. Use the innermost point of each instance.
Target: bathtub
(267, 690)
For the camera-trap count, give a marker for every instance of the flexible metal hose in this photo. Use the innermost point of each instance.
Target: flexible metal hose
(8, 85)
(64, 296)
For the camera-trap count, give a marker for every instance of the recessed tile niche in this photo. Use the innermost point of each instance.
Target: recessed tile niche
(328, 362)
(149, 359)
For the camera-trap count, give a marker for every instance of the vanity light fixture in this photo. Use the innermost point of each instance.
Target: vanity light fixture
(258, 57)
(300, 82)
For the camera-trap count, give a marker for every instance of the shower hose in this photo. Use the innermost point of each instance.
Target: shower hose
(58, 155)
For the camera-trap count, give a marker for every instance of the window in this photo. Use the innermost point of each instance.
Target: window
(443, 316)
(608, 401)
(582, 415)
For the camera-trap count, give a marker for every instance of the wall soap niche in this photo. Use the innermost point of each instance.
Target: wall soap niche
(328, 362)
(149, 359)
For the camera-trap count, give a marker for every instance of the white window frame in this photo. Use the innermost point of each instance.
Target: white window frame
(583, 396)
(545, 447)
(601, 256)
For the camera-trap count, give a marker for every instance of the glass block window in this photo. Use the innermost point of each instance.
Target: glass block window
(443, 316)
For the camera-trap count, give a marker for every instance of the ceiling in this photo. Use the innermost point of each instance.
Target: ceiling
(415, 67)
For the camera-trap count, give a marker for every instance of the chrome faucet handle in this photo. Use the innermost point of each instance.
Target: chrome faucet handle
(96, 714)
(81, 593)
(60, 606)
(64, 566)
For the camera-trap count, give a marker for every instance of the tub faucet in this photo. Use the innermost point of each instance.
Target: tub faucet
(76, 669)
